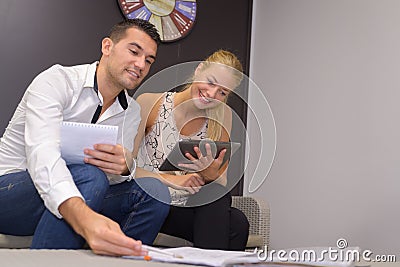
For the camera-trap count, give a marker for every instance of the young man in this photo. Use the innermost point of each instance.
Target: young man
(65, 205)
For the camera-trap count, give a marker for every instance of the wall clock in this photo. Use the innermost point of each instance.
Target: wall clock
(173, 18)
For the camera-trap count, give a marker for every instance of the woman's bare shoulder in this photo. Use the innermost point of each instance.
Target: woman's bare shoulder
(148, 99)
(149, 103)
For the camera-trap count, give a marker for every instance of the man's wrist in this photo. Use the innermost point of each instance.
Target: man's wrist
(74, 211)
(130, 174)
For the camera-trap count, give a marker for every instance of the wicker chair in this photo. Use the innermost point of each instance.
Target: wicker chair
(256, 210)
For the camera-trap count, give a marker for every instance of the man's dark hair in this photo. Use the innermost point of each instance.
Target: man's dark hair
(118, 31)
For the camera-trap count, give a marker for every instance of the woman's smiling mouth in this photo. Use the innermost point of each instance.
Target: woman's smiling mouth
(203, 98)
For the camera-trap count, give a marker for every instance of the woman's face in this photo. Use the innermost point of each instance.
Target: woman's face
(212, 85)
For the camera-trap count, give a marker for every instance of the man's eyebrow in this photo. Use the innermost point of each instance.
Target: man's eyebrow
(141, 49)
(137, 45)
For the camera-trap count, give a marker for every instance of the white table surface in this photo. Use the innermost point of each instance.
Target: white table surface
(85, 258)
(69, 258)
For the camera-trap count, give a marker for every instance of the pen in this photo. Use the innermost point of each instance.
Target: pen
(161, 251)
(147, 258)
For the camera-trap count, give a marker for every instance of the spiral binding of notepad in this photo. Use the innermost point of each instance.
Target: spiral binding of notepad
(89, 125)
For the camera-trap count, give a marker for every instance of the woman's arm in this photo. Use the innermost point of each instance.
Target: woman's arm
(148, 103)
(191, 182)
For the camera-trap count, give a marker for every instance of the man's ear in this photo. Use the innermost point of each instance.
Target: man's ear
(106, 46)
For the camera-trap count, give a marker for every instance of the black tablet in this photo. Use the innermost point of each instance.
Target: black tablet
(177, 155)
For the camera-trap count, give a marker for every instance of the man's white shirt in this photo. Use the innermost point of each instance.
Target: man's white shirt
(32, 139)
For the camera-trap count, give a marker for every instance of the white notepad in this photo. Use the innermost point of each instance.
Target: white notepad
(75, 137)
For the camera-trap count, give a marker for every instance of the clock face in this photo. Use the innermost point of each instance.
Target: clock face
(173, 18)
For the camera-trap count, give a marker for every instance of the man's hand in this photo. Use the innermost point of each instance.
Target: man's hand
(103, 235)
(113, 159)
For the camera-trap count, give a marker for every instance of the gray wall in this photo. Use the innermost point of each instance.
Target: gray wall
(330, 71)
(37, 34)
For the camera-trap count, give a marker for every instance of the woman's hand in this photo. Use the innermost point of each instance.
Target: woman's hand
(191, 182)
(205, 165)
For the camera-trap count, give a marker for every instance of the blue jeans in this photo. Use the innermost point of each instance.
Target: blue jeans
(134, 205)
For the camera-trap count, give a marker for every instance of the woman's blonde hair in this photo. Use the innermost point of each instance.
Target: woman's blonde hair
(216, 115)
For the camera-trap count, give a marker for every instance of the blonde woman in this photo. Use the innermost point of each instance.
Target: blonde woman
(201, 209)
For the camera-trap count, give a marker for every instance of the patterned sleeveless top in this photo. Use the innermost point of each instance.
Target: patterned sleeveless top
(160, 140)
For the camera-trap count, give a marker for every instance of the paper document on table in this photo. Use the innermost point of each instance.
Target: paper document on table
(207, 257)
(75, 137)
(298, 257)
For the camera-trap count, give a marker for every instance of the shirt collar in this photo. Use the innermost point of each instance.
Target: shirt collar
(91, 82)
